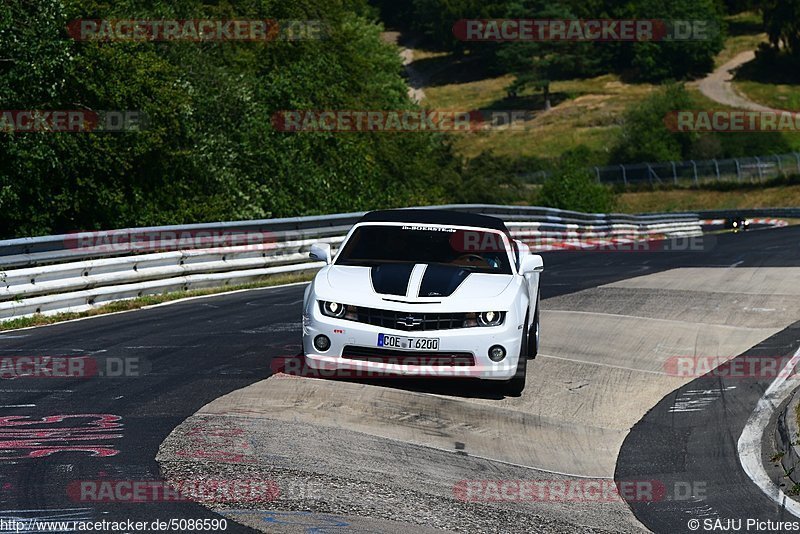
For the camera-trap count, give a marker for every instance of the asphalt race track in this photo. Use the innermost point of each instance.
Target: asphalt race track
(201, 402)
(678, 442)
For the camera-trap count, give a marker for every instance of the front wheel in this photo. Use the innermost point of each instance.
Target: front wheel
(515, 386)
(533, 349)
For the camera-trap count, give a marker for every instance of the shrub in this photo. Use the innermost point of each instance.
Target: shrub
(644, 135)
(572, 187)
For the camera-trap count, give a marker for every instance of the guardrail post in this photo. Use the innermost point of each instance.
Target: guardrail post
(760, 172)
(738, 170)
(624, 175)
(716, 167)
(780, 164)
(797, 157)
(650, 174)
(674, 173)
(694, 168)
(597, 173)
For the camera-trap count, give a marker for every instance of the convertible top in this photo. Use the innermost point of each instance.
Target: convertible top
(445, 217)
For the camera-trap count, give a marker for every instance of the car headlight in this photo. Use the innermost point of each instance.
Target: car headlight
(338, 310)
(490, 318)
(333, 309)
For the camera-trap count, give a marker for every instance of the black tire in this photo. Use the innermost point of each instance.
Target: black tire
(533, 334)
(515, 386)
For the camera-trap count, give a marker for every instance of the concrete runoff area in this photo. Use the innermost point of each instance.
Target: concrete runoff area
(603, 363)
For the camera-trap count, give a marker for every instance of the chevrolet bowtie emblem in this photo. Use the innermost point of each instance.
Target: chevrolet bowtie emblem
(409, 321)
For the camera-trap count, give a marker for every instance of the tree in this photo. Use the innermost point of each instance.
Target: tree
(673, 59)
(782, 23)
(210, 151)
(536, 63)
(435, 19)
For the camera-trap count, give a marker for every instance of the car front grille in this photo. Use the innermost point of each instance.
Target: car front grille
(411, 321)
(401, 357)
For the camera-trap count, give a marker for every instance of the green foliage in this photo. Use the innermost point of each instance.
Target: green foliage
(782, 22)
(493, 179)
(572, 187)
(434, 19)
(656, 61)
(535, 62)
(210, 151)
(644, 135)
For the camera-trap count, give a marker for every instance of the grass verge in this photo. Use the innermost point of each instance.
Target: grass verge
(773, 95)
(708, 199)
(149, 300)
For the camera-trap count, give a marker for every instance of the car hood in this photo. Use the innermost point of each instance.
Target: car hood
(389, 282)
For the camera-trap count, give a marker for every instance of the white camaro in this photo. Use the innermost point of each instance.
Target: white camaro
(425, 293)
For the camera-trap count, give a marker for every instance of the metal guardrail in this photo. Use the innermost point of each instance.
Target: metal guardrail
(77, 272)
(72, 247)
(750, 213)
(692, 172)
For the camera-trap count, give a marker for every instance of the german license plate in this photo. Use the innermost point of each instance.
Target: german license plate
(408, 343)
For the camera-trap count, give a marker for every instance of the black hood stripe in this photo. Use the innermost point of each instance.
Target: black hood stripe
(391, 278)
(442, 280)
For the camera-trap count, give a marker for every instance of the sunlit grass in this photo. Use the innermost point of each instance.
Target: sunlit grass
(585, 111)
(699, 199)
(778, 96)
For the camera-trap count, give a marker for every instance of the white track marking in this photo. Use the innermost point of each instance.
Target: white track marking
(696, 400)
(749, 446)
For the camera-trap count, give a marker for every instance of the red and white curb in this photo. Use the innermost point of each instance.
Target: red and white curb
(777, 223)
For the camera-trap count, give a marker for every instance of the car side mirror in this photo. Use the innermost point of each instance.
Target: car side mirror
(320, 252)
(531, 263)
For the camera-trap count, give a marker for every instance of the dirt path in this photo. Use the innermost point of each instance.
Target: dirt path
(415, 79)
(718, 87)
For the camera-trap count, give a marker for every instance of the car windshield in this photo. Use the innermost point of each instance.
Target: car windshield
(477, 250)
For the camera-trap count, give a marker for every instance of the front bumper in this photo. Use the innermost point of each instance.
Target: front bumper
(474, 341)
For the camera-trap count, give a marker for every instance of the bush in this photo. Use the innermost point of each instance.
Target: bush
(644, 135)
(572, 187)
(489, 179)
